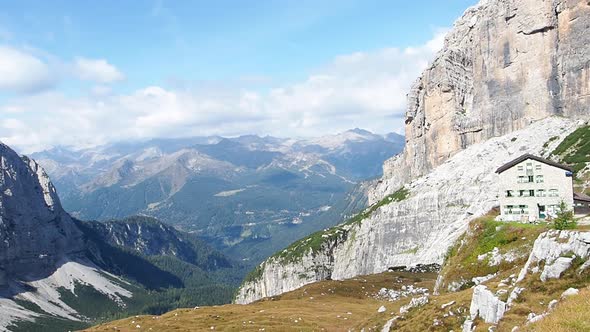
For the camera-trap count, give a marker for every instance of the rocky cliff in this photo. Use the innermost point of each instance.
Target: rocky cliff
(505, 64)
(41, 248)
(507, 67)
(149, 237)
(35, 232)
(415, 225)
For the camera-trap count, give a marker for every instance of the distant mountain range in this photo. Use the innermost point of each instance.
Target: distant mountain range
(58, 273)
(249, 196)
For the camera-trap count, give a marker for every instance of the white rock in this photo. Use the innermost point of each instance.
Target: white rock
(555, 270)
(447, 304)
(435, 214)
(480, 280)
(486, 305)
(550, 247)
(514, 295)
(468, 326)
(552, 305)
(570, 292)
(381, 309)
(415, 302)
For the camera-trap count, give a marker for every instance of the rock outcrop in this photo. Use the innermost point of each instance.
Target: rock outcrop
(35, 232)
(506, 68)
(505, 64)
(416, 230)
(556, 250)
(42, 249)
(486, 305)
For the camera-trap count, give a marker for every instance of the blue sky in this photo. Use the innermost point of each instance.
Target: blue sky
(215, 67)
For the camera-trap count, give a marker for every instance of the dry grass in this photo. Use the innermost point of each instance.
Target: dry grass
(447, 319)
(573, 314)
(323, 306)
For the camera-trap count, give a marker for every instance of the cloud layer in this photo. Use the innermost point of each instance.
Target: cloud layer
(96, 70)
(22, 72)
(364, 89)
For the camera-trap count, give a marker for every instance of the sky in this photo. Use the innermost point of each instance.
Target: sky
(83, 73)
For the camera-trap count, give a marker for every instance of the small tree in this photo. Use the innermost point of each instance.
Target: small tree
(564, 218)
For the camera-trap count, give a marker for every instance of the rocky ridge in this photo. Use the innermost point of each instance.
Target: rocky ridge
(34, 229)
(504, 65)
(415, 230)
(42, 249)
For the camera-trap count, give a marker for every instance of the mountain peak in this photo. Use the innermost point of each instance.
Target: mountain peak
(360, 131)
(32, 218)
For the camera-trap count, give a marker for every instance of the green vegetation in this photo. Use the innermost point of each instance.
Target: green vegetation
(485, 234)
(255, 274)
(565, 218)
(48, 323)
(159, 283)
(546, 145)
(411, 251)
(315, 241)
(575, 149)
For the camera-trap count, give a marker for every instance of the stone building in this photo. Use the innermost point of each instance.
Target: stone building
(581, 204)
(532, 188)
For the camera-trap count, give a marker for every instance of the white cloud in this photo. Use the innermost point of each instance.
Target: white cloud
(23, 72)
(97, 70)
(363, 89)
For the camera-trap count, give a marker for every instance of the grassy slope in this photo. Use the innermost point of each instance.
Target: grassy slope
(574, 151)
(322, 306)
(571, 315)
(483, 236)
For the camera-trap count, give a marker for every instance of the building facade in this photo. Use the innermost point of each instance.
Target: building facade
(581, 204)
(532, 188)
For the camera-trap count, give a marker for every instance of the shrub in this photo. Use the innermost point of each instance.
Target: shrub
(565, 218)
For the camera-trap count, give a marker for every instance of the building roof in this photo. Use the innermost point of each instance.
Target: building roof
(533, 157)
(581, 197)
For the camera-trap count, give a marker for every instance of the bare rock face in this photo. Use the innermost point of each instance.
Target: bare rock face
(416, 230)
(507, 68)
(556, 250)
(486, 305)
(35, 232)
(505, 64)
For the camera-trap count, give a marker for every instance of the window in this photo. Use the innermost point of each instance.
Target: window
(540, 179)
(521, 168)
(541, 193)
(532, 193)
(522, 179)
(531, 179)
(529, 168)
(521, 193)
(537, 167)
(553, 193)
(509, 193)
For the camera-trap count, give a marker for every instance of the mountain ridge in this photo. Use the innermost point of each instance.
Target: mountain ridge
(250, 189)
(478, 104)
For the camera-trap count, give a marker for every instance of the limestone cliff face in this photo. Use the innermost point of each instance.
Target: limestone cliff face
(35, 232)
(507, 69)
(418, 229)
(505, 64)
